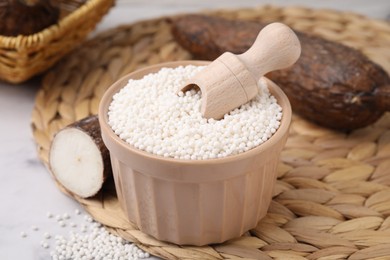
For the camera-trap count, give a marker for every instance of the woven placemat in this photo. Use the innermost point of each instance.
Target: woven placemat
(332, 198)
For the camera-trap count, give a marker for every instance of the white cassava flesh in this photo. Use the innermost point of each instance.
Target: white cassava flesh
(78, 158)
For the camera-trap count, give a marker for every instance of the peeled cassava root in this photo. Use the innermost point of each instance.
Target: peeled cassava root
(331, 84)
(78, 158)
(25, 17)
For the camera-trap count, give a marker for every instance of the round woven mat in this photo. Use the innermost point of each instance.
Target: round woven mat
(332, 198)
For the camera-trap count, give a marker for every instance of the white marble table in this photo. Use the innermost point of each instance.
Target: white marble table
(27, 191)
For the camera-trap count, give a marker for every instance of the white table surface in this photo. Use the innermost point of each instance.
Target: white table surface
(27, 191)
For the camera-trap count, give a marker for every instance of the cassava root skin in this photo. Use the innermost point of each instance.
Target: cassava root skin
(331, 84)
(78, 158)
(26, 17)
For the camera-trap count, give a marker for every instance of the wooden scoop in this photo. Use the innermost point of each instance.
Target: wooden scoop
(231, 80)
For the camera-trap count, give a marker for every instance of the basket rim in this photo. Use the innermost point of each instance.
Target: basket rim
(51, 32)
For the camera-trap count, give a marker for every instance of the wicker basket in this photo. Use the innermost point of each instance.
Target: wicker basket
(22, 57)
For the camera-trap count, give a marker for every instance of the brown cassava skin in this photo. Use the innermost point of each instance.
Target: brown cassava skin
(90, 126)
(331, 84)
(25, 17)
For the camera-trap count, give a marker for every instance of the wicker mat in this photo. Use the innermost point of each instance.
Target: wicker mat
(332, 198)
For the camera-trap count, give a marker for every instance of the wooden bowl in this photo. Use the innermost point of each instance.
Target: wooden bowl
(193, 202)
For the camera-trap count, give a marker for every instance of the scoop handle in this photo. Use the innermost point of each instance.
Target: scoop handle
(276, 47)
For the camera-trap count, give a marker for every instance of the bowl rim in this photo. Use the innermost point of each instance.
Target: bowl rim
(106, 100)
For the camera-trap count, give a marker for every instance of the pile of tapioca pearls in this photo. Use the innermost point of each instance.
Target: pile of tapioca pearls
(150, 115)
(90, 241)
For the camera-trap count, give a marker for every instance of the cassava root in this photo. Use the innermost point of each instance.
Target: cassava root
(331, 84)
(78, 158)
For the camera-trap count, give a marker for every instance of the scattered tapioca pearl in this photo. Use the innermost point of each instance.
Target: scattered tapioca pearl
(49, 215)
(77, 212)
(62, 223)
(93, 243)
(35, 228)
(83, 228)
(96, 225)
(44, 244)
(66, 216)
(88, 218)
(99, 244)
(58, 217)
